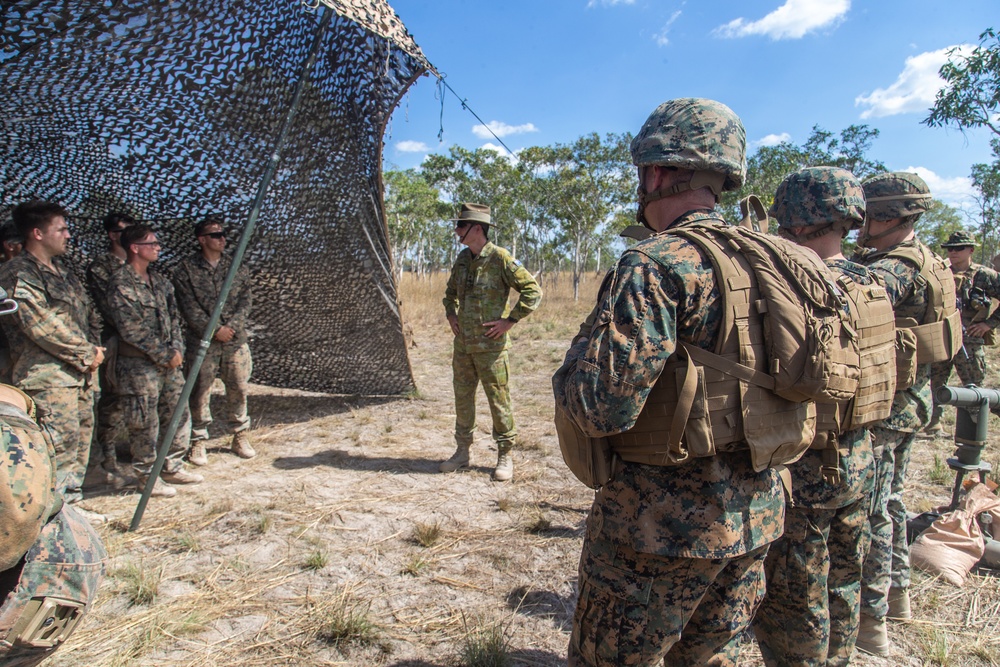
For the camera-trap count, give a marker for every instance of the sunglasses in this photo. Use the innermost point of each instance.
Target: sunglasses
(149, 243)
(215, 235)
(462, 224)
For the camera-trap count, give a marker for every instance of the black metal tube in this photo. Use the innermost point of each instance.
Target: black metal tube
(325, 16)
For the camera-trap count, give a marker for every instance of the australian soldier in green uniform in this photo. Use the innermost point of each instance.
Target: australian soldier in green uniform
(198, 281)
(109, 427)
(975, 286)
(54, 339)
(810, 612)
(475, 303)
(672, 567)
(922, 293)
(148, 375)
(51, 560)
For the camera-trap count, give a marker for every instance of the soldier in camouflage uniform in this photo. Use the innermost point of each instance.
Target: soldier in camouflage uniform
(975, 285)
(148, 375)
(672, 567)
(109, 427)
(51, 560)
(895, 201)
(198, 282)
(10, 247)
(54, 339)
(475, 303)
(811, 610)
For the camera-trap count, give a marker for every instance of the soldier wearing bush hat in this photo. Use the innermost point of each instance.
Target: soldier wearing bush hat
(975, 286)
(476, 305)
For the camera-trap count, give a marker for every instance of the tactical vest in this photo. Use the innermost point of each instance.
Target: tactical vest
(939, 334)
(707, 402)
(973, 301)
(872, 403)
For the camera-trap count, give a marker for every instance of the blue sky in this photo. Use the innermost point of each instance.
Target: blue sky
(548, 71)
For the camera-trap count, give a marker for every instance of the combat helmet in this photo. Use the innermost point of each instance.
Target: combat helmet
(896, 194)
(825, 198)
(961, 239)
(702, 135)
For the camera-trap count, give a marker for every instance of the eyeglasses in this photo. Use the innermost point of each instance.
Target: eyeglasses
(149, 243)
(462, 224)
(215, 235)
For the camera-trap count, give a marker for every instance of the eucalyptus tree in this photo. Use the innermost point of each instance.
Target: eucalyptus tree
(414, 213)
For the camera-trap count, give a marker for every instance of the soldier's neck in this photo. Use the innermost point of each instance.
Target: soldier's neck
(119, 252)
(139, 266)
(211, 257)
(44, 258)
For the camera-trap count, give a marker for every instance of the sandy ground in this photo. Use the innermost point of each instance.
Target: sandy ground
(344, 515)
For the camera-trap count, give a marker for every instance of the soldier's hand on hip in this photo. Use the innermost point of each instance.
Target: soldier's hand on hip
(98, 358)
(497, 328)
(175, 361)
(979, 329)
(453, 322)
(224, 334)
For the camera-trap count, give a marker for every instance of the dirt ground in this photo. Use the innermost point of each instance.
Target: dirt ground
(341, 544)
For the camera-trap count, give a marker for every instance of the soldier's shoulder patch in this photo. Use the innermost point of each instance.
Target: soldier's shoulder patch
(516, 263)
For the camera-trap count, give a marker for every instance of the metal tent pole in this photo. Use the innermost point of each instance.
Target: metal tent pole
(325, 17)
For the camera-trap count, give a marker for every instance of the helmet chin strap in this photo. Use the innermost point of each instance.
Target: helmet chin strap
(864, 238)
(700, 179)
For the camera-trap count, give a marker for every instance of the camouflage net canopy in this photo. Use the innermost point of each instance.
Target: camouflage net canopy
(171, 111)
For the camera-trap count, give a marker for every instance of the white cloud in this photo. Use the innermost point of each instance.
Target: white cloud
(914, 88)
(661, 37)
(609, 3)
(956, 191)
(501, 129)
(411, 147)
(771, 140)
(792, 20)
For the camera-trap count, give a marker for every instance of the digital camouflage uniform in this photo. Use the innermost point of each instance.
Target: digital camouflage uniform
(198, 285)
(889, 557)
(672, 566)
(53, 336)
(48, 552)
(974, 288)
(477, 292)
(110, 430)
(147, 319)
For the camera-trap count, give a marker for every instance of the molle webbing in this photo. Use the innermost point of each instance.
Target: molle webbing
(939, 336)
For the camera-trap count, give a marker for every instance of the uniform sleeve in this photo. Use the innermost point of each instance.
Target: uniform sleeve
(27, 492)
(128, 317)
(97, 283)
(48, 328)
(187, 303)
(988, 281)
(450, 300)
(241, 298)
(521, 280)
(898, 278)
(176, 330)
(634, 334)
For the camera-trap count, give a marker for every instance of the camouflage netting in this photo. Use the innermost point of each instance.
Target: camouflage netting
(171, 110)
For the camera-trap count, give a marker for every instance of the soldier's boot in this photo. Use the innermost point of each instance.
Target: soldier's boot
(899, 604)
(182, 476)
(935, 429)
(92, 517)
(197, 456)
(460, 459)
(873, 636)
(118, 477)
(160, 488)
(241, 445)
(505, 465)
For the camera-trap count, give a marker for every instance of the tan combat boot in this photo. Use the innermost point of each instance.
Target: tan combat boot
(505, 466)
(197, 455)
(119, 478)
(899, 604)
(459, 459)
(160, 489)
(181, 476)
(873, 636)
(241, 445)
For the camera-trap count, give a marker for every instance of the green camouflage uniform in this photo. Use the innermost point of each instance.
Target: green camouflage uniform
(477, 292)
(146, 318)
(672, 566)
(811, 611)
(974, 288)
(198, 284)
(53, 336)
(109, 414)
(49, 552)
(888, 561)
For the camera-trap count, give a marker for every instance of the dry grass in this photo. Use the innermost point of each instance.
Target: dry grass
(309, 553)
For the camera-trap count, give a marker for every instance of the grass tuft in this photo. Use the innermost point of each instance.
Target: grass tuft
(317, 560)
(140, 583)
(485, 645)
(427, 534)
(346, 623)
(939, 473)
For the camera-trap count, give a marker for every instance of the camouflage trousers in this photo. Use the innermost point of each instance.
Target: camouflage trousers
(970, 366)
(148, 395)
(67, 413)
(639, 610)
(492, 369)
(811, 610)
(234, 365)
(888, 560)
(110, 429)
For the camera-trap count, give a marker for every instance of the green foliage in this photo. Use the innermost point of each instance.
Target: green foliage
(937, 224)
(485, 645)
(970, 97)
